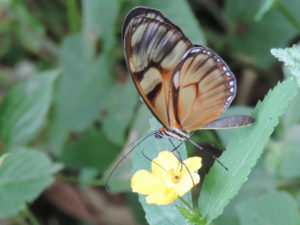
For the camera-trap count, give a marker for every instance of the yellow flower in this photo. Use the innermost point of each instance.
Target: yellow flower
(169, 178)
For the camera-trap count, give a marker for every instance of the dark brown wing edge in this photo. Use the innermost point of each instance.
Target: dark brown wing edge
(230, 122)
(143, 11)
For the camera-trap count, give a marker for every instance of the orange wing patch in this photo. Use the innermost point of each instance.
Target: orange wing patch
(202, 88)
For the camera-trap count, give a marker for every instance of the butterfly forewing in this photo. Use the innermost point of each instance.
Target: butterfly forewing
(202, 88)
(153, 48)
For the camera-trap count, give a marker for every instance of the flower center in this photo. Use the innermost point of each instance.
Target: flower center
(174, 176)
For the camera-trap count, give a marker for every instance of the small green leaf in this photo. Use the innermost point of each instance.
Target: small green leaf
(23, 176)
(157, 215)
(291, 59)
(92, 150)
(186, 21)
(243, 151)
(24, 108)
(193, 218)
(274, 208)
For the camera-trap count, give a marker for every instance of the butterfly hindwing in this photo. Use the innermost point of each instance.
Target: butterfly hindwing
(153, 48)
(202, 88)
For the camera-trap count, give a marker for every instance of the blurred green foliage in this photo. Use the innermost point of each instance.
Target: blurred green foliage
(69, 108)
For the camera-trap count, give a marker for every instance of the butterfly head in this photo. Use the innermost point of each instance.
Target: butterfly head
(173, 133)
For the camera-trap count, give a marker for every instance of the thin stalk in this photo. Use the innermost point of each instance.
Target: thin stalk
(73, 16)
(287, 15)
(31, 218)
(186, 204)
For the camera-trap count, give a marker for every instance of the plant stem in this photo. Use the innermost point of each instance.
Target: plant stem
(287, 15)
(31, 217)
(73, 16)
(94, 182)
(186, 204)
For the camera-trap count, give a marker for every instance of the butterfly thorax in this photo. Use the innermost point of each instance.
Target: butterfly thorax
(173, 133)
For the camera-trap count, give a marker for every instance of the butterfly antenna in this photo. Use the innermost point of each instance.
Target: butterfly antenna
(214, 157)
(136, 144)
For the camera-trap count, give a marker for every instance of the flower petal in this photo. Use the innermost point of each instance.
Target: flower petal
(162, 197)
(193, 163)
(188, 181)
(164, 161)
(145, 182)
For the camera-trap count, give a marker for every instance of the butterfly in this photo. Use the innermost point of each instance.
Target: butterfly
(185, 86)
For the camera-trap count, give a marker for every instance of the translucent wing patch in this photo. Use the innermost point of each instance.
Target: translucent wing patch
(153, 47)
(230, 122)
(202, 88)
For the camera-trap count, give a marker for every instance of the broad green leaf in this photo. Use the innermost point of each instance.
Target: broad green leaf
(181, 14)
(274, 208)
(81, 91)
(252, 40)
(291, 59)
(141, 122)
(242, 152)
(122, 100)
(24, 108)
(259, 181)
(263, 9)
(119, 180)
(92, 150)
(156, 215)
(98, 20)
(24, 174)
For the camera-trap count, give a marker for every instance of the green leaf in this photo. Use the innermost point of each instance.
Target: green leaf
(250, 40)
(119, 181)
(24, 174)
(141, 122)
(274, 208)
(292, 115)
(151, 146)
(291, 59)
(81, 92)
(243, 150)
(263, 9)
(194, 218)
(259, 181)
(24, 108)
(186, 21)
(98, 20)
(92, 150)
(122, 101)
(289, 166)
